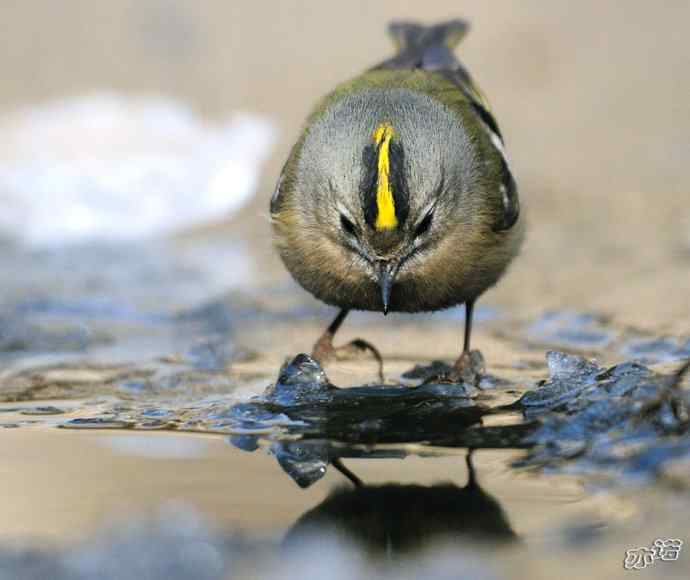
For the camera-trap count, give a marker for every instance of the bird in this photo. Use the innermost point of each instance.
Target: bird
(398, 195)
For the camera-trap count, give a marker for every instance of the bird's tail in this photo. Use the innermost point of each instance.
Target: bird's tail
(411, 36)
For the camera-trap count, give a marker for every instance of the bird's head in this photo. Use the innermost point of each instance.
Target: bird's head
(394, 180)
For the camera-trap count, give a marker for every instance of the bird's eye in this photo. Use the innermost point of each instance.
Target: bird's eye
(424, 225)
(348, 227)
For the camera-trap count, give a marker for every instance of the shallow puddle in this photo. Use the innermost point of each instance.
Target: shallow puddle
(74, 490)
(83, 477)
(149, 422)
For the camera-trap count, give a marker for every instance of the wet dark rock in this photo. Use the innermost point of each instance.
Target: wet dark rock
(450, 390)
(307, 406)
(367, 414)
(491, 437)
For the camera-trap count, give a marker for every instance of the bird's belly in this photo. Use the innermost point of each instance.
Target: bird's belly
(406, 296)
(409, 294)
(450, 279)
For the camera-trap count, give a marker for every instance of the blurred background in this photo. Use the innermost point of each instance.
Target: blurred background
(591, 96)
(140, 142)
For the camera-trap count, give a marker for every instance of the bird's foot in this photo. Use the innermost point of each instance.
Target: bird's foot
(324, 351)
(470, 367)
(468, 370)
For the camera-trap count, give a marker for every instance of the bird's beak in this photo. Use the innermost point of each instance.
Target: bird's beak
(387, 270)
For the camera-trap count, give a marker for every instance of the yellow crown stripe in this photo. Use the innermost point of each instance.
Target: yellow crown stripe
(385, 204)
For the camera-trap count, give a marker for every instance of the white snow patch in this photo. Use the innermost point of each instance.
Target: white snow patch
(118, 168)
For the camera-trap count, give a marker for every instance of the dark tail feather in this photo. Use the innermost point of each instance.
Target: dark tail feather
(431, 48)
(417, 37)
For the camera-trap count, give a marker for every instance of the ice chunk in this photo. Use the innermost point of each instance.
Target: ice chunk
(301, 381)
(569, 377)
(567, 366)
(304, 461)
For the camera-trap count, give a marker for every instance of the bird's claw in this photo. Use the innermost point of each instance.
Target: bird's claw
(324, 350)
(470, 366)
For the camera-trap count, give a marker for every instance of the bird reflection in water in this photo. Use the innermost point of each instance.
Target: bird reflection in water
(395, 518)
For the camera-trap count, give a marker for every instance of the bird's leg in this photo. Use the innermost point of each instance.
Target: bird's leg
(471, 473)
(470, 364)
(323, 347)
(324, 350)
(340, 466)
